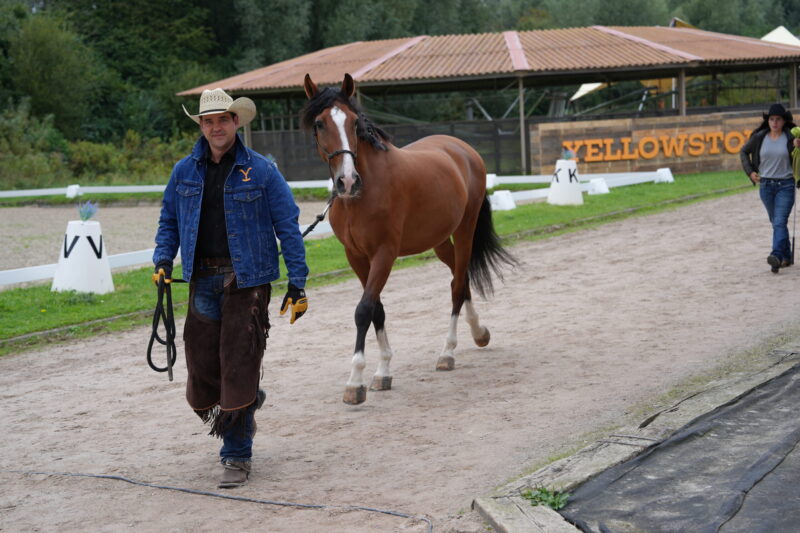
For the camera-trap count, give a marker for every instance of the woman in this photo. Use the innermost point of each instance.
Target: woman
(766, 158)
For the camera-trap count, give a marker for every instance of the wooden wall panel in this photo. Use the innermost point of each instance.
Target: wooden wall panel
(695, 143)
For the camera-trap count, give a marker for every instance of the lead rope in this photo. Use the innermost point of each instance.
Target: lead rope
(320, 217)
(231, 497)
(164, 314)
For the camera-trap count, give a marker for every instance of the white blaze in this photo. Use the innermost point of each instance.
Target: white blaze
(339, 118)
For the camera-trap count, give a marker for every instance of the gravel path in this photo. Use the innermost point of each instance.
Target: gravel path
(592, 325)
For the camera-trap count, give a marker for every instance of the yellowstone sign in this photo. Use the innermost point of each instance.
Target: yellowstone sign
(684, 144)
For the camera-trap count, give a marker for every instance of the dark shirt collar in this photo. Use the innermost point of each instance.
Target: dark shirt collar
(230, 154)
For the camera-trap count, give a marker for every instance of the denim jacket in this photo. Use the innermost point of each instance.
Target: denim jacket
(258, 207)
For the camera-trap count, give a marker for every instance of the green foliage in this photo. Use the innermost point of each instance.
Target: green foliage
(543, 496)
(31, 149)
(51, 65)
(137, 160)
(103, 68)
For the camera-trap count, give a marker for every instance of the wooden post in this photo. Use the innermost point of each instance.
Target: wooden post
(793, 85)
(522, 147)
(682, 93)
(248, 136)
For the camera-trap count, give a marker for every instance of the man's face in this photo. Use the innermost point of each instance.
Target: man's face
(219, 130)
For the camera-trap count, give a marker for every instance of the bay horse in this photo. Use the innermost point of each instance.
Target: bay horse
(390, 202)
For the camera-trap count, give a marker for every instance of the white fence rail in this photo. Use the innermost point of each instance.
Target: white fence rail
(72, 191)
(143, 257)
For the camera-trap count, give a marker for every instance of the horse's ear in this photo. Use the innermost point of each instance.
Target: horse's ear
(348, 86)
(310, 87)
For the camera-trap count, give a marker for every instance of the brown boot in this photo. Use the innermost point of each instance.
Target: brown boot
(235, 473)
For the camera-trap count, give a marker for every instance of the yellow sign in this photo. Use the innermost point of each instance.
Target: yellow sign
(650, 147)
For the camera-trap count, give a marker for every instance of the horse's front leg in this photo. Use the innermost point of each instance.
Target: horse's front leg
(355, 391)
(382, 380)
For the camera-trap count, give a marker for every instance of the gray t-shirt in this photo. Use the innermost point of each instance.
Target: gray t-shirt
(775, 161)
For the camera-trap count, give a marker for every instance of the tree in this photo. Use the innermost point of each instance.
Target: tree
(51, 64)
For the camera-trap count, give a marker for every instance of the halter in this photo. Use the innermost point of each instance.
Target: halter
(333, 154)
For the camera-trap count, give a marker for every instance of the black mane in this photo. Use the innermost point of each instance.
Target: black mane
(366, 130)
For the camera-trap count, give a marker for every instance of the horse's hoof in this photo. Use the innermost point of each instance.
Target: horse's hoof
(381, 383)
(355, 395)
(446, 362)
(483, 340)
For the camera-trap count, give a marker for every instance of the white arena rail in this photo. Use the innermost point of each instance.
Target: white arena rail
(71, 191)
(143, 257)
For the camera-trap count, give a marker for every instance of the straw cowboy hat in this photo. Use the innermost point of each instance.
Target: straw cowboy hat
(217, 101)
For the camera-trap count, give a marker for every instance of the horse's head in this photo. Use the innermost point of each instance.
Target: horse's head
(333, 119)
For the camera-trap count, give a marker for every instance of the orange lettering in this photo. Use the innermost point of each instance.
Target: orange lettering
(729, 147)
(697, 144)
(716, 138)
(671, 145)
(611, 156)
(593, 150)
(626, 149)
(648, 154)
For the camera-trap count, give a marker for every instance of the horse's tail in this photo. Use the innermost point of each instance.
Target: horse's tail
(488, 254)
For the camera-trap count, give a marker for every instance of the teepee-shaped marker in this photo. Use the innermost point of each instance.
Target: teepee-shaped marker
(83, 263)
(565, 187)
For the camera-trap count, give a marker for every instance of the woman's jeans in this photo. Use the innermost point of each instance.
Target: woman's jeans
(209, 295)
(778, 197)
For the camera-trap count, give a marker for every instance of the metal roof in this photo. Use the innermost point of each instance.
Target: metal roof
(585, 54)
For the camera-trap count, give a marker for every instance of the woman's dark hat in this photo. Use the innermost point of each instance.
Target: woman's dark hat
(779, 110)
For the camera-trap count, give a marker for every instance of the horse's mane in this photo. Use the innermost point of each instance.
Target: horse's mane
(366, 130)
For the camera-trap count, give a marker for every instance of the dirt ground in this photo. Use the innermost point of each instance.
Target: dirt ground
(592, 325)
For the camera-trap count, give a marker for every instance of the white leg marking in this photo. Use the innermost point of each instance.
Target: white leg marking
(339, 118)
(474, 323)
(357, 373)
(452, 339)
(386, 355)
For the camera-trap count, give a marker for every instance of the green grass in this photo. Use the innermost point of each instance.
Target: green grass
(25, 311)
(543, 496)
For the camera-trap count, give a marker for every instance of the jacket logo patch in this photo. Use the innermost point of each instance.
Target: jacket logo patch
(246, 178)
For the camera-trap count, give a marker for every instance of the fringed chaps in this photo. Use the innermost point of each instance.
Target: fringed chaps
(223, 357)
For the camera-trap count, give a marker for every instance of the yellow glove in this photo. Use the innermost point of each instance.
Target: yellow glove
(162, 269)
(296, 300)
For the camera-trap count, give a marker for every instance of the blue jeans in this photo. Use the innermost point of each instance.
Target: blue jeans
(209, 295)
(778, 197)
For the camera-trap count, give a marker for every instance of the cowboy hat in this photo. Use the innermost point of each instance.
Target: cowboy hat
(218, 101)
(778, 110)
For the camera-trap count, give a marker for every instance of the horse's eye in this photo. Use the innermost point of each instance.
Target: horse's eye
(318, 124)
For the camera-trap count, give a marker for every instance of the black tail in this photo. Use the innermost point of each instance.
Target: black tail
(488, 254)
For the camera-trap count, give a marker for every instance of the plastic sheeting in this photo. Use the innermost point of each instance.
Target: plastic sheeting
(736, 468)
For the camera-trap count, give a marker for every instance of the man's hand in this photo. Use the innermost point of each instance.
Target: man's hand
(165, 269)
(296, 300)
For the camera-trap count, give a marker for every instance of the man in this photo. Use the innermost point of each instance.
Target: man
(223, 207)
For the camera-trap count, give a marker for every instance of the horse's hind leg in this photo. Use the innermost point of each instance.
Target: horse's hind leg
(383, 376)
(460, 295)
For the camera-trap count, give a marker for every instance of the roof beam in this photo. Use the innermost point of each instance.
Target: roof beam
(515, 51)
(651, 44)
(387, 56)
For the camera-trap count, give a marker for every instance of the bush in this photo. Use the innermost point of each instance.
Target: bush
(34, 154)
(32, 150)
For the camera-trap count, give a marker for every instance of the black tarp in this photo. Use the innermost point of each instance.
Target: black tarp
(736, 468)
